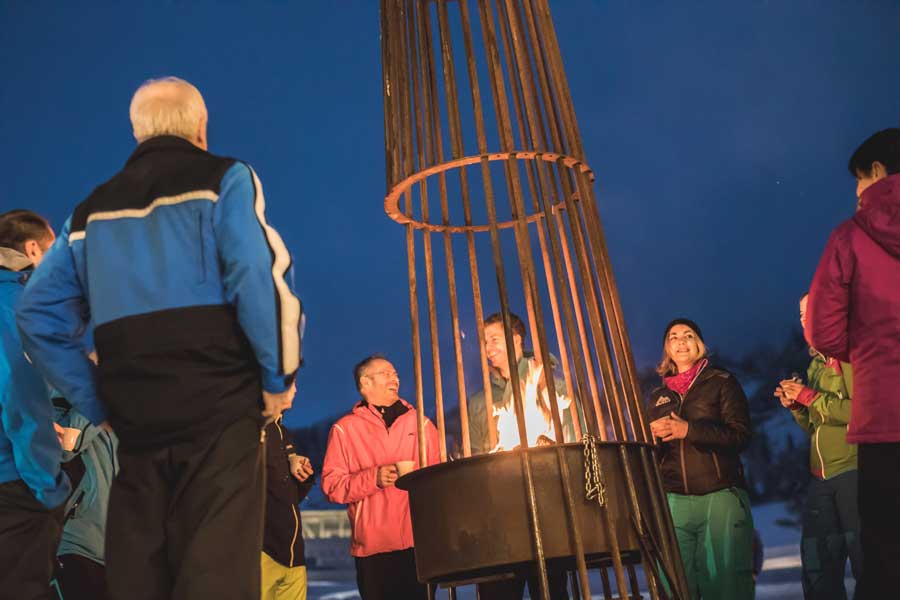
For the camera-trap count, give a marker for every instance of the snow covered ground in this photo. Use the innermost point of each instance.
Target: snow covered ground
(779, 580)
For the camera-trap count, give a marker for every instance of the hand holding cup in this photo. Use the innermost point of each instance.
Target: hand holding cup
(386, 476)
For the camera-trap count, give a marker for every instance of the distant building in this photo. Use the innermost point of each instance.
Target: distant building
(326, 535)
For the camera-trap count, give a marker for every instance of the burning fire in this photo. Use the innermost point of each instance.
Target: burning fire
(538, 422)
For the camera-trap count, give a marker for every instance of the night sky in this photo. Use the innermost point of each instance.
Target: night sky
(719, 132)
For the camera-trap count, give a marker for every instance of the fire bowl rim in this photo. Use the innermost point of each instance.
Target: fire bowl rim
(460, 463)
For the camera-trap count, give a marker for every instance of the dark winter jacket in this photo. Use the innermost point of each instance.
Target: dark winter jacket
(283, 532)
(854, 310)
(707, 460)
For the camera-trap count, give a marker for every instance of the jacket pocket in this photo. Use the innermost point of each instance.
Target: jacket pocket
(715, 458)
(202, 242)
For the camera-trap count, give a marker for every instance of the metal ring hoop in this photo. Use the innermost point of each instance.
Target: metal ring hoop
(392, 200)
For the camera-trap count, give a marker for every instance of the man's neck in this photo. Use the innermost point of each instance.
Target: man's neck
(378, 403)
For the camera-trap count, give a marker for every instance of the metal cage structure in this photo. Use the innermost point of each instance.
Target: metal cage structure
(486, 174)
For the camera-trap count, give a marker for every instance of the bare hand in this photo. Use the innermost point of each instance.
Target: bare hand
(670, 428)
(301, 468)
(791, 389)
(785, 401)
(387, 475)
(60, 433)
(275, 404)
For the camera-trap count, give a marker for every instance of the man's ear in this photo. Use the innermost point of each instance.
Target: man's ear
(878, 171)
(31, 248)
(201, 134)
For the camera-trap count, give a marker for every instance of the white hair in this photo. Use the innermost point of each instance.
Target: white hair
(167, 106)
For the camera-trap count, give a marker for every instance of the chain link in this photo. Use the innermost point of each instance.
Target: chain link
(594, 481)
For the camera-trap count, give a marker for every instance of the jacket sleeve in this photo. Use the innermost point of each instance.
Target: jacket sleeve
(478, 436)
(257, 275)
(338, 483)
(304, 487)
(829, 299)
(833, 406)
(26, 418)
(801, 416)
(434, 448)
(733, 431)
(53, 315)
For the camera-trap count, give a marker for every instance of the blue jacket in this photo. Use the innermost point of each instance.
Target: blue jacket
(29, 449)
(85, 527)
(189, 289)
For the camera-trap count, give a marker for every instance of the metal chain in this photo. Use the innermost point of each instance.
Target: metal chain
(594, 481)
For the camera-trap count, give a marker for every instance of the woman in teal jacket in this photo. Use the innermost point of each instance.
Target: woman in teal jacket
(81, 572)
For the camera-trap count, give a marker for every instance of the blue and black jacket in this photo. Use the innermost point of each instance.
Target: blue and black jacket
(29, 449)
(189, 291)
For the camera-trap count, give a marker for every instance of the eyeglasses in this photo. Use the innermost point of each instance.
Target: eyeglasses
(385, 373)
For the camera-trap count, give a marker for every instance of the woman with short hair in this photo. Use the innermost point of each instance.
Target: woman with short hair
(701, 420)
(831, 512)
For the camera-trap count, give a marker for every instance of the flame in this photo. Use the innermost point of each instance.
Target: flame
(538, 422)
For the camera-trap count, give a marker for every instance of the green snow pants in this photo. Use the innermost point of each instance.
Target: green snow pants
(715, 537)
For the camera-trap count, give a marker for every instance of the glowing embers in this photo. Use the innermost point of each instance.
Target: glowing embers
(538, 421)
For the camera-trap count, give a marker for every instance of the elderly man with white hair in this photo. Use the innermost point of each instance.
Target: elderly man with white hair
(197, 330)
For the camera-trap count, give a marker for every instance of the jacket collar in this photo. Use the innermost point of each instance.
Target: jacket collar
(163, 143)
(362, 409)
(13, 260)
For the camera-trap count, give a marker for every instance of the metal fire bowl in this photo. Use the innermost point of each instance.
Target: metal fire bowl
(470, 516)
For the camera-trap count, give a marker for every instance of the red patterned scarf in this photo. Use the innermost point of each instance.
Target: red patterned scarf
(682, 382)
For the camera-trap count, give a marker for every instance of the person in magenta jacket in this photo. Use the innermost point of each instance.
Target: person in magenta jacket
(854, 316)
(360, 469)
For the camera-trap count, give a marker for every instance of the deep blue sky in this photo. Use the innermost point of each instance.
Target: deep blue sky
(719, 132)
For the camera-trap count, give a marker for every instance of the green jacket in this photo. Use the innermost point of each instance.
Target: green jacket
(827, 416)
(501, 394)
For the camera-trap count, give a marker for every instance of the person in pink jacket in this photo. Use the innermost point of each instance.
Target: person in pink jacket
(360, 468)
(854, 316)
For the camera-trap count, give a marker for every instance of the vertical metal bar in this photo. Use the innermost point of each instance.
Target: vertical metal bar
(637, 515)
(604, 580)
(659, 510)
(405, 118)
(595, 294)
(490, 44)
(635, 586)
(422, 61)
(579, 319)
(504, 308)
(553, 122)
(519, 67)
(560, 83)
(458, 151)
(526, 138)
(622, 345)
(437, 157)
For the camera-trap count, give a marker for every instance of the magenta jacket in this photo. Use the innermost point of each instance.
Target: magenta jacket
(357, 445)
(854, 310)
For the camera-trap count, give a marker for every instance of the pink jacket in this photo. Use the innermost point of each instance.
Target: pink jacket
(357, 445)
(854, 310)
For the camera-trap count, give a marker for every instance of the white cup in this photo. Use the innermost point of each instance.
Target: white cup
(405, 466)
